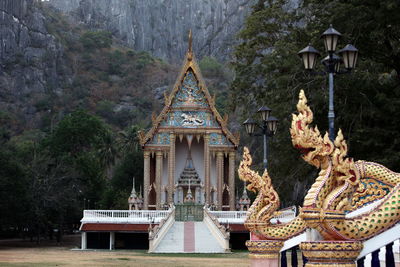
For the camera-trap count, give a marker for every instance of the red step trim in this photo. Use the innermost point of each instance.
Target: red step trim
(188, 237)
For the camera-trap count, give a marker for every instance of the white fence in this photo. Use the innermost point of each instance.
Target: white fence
(238, 217)
(155, 216)
(124, 216)
(231, 217)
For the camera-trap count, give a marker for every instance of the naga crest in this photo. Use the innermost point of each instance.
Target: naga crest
(265, 206)
(261, 185)
(308, 139)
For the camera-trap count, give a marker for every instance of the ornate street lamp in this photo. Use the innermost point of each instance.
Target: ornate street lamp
(268, 128)
(332, 63)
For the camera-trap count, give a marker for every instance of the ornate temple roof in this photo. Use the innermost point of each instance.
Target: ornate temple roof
(189, 105)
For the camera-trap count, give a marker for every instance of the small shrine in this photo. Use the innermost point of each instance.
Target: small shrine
(135, 200)
(244, 201)
(189, 147)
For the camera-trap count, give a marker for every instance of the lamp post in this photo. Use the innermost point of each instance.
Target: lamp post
(268, 128)
(331, 62)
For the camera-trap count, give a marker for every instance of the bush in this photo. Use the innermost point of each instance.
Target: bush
(96, 39)
(211, 67)
(142, 60)
(105, 109)
(116, 60)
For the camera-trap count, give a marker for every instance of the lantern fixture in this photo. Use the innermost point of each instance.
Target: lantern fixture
(272, 124)
(332, 61)
(331, 37)
(250, 126)
(349, 54)
(309, 56)
(264, 111)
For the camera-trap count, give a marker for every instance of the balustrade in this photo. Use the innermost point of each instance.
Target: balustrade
(129, 216)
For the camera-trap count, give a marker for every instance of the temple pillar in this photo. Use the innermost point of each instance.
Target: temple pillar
(232, 180)
(207, 169)
(159, 162)
(146, 180)
(112, 240)
(220, 178)
(171, 168)
(331, 253)
(83, 240)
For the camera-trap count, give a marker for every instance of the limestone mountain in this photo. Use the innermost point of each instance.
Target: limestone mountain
(160, 27)
(51, 64)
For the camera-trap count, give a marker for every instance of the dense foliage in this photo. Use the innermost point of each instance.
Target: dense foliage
(268, 72)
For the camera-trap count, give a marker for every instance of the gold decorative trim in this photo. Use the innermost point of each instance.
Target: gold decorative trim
(329, 253)
(264, 249)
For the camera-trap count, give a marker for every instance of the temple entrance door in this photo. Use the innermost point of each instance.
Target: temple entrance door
(189, 212)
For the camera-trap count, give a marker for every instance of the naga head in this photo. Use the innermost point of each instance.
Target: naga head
(256, 183)
(308, 140)
(246, 174)
(267, 201)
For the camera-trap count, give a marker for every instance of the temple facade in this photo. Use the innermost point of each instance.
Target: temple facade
(189, 149)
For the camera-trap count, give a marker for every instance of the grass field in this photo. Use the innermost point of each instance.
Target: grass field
(25, 253)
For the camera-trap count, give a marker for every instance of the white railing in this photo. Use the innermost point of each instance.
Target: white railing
(231, 217)
(217, 230)
(124, 216)
(158, 232)
(238, 217)
(380, 240)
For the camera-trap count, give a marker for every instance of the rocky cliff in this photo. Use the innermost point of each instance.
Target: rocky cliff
(32, 62)
(50, 65)
(161, 26)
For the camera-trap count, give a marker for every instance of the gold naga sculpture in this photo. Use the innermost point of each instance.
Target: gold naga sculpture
(333, 204)
(265, 205)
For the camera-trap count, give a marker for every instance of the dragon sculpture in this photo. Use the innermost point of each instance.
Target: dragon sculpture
(349, 200)
(333, 204)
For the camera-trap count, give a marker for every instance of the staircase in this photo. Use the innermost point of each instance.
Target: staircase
(189, 237)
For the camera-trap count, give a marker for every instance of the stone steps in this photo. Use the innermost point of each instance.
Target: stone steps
(189, 237)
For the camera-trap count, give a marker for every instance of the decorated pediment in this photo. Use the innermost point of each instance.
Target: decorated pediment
(189, 93)
(189, 119)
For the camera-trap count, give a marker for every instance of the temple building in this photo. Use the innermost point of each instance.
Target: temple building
(189, 147)
(187, 203)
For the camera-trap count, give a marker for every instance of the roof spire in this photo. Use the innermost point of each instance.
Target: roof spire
(133, 192)
(190, 41)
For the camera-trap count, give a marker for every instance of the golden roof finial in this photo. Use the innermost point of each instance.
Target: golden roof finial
(190, 40)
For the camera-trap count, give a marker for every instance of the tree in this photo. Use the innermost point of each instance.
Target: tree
(128, 139)
(13, 192)
(84, 142)
(108, 153)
